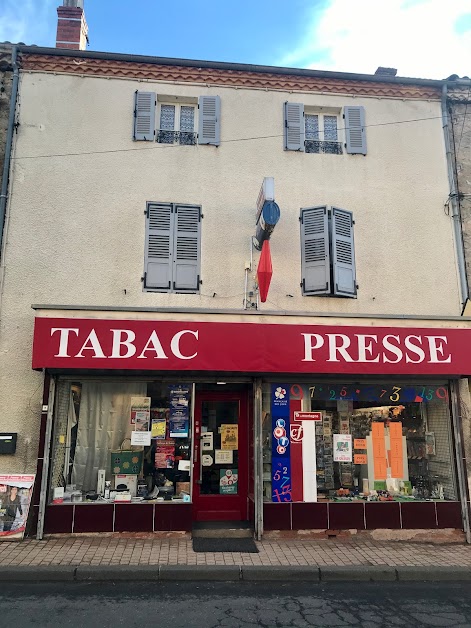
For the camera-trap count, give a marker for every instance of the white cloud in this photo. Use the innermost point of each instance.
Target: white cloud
(29, 21)
(418, 37)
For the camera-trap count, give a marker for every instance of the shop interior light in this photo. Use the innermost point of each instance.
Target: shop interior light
(221, 383)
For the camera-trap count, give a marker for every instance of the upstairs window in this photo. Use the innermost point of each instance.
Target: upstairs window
(322, 134)
(324, 129)
(327, 252)
(177, 125)
(180, 119)
(173, 248)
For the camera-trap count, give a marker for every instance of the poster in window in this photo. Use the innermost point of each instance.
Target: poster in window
(430, 443)
(140, 438)
(342, 447)
(159, 418)
(179, 395)
(140, 413)
(229, 436)
(165, 454)
(15, 501)
(228, 481)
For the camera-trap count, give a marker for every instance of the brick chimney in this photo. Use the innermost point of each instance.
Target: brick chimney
(72, 29)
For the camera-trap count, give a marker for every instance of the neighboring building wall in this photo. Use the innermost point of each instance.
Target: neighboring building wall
(6, 77)
(459, 103)
(76, 227)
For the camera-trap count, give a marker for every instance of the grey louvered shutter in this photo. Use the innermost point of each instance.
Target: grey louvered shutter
(187, 248)
(294, 126)
(343, 253)
(209, 120)
(355, 133)
(144, 116)
(315, 256)
(159, 246)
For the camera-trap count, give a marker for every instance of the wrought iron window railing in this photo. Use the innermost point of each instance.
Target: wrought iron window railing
(185, 138)
(316, 146)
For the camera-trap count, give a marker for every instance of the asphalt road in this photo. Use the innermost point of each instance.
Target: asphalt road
(217, 605)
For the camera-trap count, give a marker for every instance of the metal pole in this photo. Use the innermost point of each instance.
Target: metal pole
(46, 460)
(258, 458)
(454, 202)
(460, 457)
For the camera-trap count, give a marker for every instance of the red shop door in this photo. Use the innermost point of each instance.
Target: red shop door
(220, 478)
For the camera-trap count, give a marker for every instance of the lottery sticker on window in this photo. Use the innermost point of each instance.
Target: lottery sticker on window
(15, 500)
(280, 481)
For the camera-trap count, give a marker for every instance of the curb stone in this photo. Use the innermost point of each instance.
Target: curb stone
(303, 573)
(416, 573)
(233, 573)
(222, 573)
(360, 573)
(117, 572)
(45, 573)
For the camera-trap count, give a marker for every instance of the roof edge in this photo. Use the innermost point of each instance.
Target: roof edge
(223, 65)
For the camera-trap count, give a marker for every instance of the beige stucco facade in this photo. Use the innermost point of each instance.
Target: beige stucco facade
(75, 227)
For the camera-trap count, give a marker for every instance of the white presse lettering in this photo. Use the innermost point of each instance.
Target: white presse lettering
(93, 346)
(418, 351)
(364, 348)
(118, 342)
(392, 348)
(153, 344)
(175, 345)
(436, 349)
(309, 347)
(64, 340)
(341, 349)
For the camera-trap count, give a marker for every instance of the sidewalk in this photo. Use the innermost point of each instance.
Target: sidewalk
(95, 557)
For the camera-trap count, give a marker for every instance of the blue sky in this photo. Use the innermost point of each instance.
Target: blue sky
(423, 38)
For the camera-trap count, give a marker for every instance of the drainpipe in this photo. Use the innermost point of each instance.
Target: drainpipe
(454, 201)
(11, 128)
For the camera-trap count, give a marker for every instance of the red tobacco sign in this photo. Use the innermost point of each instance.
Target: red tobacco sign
(249, 347)
(264, 271)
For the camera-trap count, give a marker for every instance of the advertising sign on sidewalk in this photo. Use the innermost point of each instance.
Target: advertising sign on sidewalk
(15, 500)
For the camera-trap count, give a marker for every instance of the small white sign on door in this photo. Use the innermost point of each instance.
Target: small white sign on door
(207, 441)
(206, 460)
(224, 456)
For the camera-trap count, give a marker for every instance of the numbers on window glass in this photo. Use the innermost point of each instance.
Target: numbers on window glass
(395, 395)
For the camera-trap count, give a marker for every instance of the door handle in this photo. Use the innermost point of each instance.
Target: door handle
(199, 482)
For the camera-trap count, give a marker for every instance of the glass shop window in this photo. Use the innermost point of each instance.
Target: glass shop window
(376, 442)
(121, 442)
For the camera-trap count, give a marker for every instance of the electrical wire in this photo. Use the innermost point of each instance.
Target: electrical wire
(158, 146)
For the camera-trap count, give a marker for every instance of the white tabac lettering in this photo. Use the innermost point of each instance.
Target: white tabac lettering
(365, 350)
(339, 348)
(119, 341)
(415, 349)
(91, 344)
(388, 346)
(64, 340)
(153, 344)
(309, 347)
(175, 345)
(436, 346)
